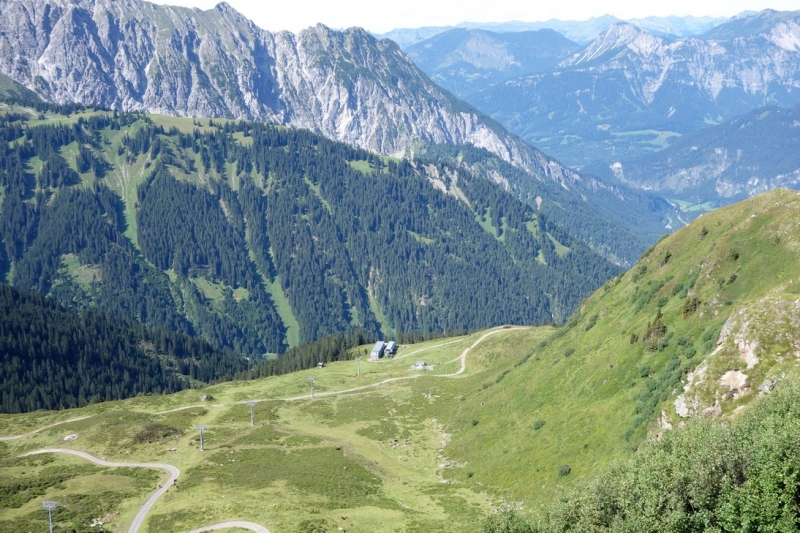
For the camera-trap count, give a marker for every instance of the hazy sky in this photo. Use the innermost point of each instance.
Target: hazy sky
(381, 16)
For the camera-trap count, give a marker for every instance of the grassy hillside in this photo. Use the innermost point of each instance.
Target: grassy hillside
(707, 321)
(373, 455)
(610, 378)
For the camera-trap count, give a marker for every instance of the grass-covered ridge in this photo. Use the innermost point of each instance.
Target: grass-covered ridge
(610, 379)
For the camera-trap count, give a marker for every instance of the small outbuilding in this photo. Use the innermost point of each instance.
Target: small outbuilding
(420, 365)
(391, 348)
(378, 350)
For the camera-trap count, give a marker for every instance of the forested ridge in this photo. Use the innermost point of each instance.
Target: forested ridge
(244, 233)
(52, 357)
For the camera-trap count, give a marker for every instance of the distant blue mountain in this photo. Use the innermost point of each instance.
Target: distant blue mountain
(465, 61)
(629, 92)
(744, 156)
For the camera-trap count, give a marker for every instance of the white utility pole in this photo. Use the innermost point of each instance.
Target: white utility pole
(50, 507)
(251, 405)
(201, 429)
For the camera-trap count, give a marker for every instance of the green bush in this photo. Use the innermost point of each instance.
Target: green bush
(564, 470)
(539, 424)
(739, 475)
(690, 306)
(569, 351)
(641, 271)
(507, 521)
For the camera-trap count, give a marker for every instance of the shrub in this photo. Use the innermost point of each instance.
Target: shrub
(703, 233)
(154, 433)
(662, 301)
(470, 474)
(569, 351)
(739, 475)
(318, 525)
(641, 271)
(644, 372)
(591, 323)
(733, 278)
(733, 254)
(539, 424)
(506, 521)
(690, 306)
(564, 470)
(666, 258)
(634, 338)
(474, 422)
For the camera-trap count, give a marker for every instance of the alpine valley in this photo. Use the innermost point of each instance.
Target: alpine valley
(208, 230)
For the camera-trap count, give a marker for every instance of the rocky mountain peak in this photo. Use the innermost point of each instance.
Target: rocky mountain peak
(618, 37)
(346, 85)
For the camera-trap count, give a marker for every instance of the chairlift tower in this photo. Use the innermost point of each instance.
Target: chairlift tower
(49, 507)
(358, 366)
(251, 405)
(311, 380)
(201, 429)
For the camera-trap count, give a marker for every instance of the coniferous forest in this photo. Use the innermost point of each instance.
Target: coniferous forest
(256, 238)
(52, 357)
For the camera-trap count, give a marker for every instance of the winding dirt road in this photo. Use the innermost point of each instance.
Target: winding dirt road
(174, 472)
(35, 431)
(138, 520)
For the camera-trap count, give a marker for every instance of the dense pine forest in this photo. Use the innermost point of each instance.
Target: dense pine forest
(56, 358)
(256, 238)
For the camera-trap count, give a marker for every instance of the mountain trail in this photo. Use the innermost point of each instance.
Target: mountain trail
(33, 432)
(462, 368)
(138, 520)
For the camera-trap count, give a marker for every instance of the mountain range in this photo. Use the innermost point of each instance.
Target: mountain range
(629, 92)
(579, 31)
(719, 164)
(132, 55)
(465, 61)
(257, 237)
(347, 86)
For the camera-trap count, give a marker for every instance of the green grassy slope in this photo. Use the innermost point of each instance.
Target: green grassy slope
(712, 303)
(599, 384)
(10, 89)
(373, 456)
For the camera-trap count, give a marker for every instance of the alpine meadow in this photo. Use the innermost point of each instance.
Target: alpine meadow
(489, 277)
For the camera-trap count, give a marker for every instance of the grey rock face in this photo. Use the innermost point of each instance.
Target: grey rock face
(134, 55)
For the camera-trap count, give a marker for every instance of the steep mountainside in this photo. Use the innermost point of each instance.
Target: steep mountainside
(629, 92)
(136, 56)
(720, 164)
(465, 61)
(707, 321)
(256, 237)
